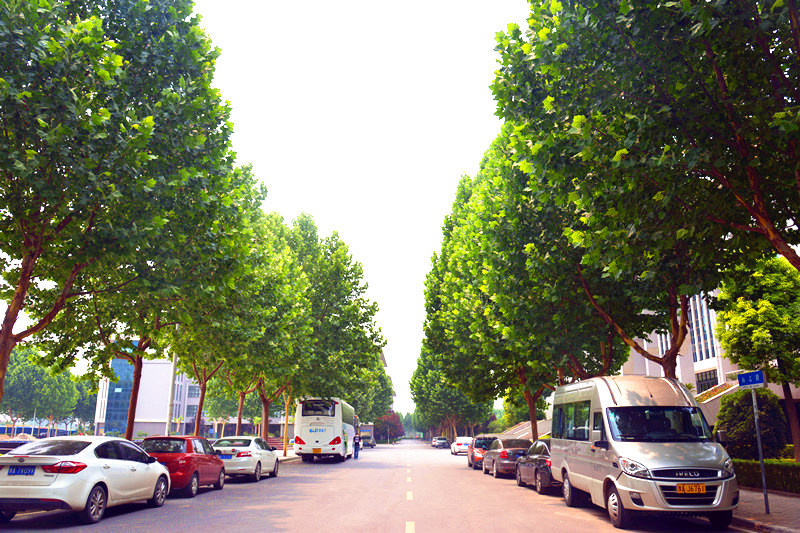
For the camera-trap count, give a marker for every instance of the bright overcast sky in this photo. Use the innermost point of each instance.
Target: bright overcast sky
(365, 114)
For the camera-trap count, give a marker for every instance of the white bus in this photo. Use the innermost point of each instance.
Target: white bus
(324, 427)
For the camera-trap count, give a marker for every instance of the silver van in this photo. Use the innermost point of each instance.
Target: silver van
(637, 443)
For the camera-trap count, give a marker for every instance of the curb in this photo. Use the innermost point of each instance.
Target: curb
(288, 459)
(755, 525)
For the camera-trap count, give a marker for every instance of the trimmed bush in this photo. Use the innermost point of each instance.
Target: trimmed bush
(788, 452)
(781, 475)
(736, 418)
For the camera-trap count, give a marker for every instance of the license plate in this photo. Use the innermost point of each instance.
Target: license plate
(21, 470)
(316, 450)
(225, 456)
(691, 488)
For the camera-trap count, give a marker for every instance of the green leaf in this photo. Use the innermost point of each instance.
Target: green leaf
(618, 156)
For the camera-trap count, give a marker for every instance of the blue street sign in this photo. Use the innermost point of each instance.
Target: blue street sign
(751, 380)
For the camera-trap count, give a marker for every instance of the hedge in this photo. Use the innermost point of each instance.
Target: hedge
(781, 475)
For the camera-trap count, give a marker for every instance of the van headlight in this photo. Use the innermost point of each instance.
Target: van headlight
(727, 468)
(632, 468)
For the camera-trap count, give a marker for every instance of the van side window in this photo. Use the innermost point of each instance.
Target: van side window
(597, 424)
(582, 420)
(569, 421)
(558, 426)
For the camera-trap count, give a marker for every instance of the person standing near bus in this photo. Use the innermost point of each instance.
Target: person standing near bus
(356, 445)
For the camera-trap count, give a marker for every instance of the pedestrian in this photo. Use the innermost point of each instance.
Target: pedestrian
(356, 445)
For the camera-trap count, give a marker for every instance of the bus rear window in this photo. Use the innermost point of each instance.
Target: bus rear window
(319, 408)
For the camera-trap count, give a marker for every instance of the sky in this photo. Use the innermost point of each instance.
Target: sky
(365, 114)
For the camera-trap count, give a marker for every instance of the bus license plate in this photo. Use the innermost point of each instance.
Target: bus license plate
(21, 470)
(316, 450)
(691, 488)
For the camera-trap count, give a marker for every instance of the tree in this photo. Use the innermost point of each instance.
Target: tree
(758, 327)
(736, 418)
(87, 403)
(390, 425)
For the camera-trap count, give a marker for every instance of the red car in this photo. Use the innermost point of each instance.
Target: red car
(477, 448)
(191, 462)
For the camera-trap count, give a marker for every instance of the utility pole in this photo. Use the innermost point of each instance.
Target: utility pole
(171, 405)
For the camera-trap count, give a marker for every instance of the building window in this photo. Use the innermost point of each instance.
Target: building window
(706, 380)
(191, 411)
(193, 392)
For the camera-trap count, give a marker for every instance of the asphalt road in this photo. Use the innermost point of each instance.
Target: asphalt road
(404, 488)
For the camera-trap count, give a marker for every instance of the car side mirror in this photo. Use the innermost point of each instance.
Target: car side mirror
(217, 452)
(600, 444)
(150, 459)
(272, 448)
(721, 437)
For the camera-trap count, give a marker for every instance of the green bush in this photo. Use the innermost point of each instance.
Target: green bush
(736, 418)
(788, 452)
(781, 475)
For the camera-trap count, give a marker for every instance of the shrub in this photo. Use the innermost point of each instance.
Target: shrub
(736, 418)
(788, 452)
(781, 475)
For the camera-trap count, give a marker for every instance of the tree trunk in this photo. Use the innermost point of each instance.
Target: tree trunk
(530, 399)
(794, 424)
(138, 360)
(203, 386)
(239, 413)
(265, 403)
(286, 403)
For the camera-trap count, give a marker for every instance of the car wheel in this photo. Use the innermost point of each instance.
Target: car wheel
(494, 470)
(520, 483)
(475, 465)
(571, 496)
(159, 493)
(256, 473)
(274, 472)
(221, 480)
(483, 467)
(720, 520)
(194, 485)
(6, 516)
(539, 483)
(305, 458)
(469, 463)
(95, 506)
(620, 517)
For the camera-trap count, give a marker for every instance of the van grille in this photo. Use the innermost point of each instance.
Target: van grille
(687, 474)
(672, 496)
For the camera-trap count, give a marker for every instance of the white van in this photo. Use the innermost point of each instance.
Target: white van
(637, 443)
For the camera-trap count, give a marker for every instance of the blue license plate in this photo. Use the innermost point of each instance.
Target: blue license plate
(225, 456)
(21, 470)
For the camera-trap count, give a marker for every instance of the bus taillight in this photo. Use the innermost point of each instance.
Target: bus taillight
(337, 440)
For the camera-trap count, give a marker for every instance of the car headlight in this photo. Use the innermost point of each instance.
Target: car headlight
(632, 468)
(727, 468)
(477, 453)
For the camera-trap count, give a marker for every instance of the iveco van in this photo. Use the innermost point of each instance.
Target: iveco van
(637, 443)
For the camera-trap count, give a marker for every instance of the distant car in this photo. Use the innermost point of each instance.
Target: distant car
(191, 461)
(85, 474)
(501, 457)
(247, 456)
(367, 441)
(477, 448)
(460, 445)
(440, 442)
(533, 467)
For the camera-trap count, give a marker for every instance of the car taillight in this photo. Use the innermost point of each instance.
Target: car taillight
(298, 440)
(504, 454)
(337, 440)
(245, 454)
(547, 462)
(64, 467)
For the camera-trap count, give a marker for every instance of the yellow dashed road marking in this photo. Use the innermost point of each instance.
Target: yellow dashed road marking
(409, 496)
(410, 527)
(408, 479)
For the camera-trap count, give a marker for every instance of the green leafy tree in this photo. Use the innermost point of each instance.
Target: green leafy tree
(390, 425)
(758, 327)
(736, 418)
(87, 403)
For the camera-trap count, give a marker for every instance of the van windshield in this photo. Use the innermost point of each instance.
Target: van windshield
(658, 424)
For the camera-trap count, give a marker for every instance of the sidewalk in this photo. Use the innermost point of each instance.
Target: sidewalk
(784, 514)
(290, 456)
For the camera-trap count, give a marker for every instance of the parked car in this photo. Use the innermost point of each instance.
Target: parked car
(477, 448)
(84, 474)
(247, 456)
(501, 457)
(191, 461)
(460, 445)
(368, 441)
(533, 467)
(440, 442)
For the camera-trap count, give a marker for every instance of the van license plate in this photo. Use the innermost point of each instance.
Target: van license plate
(691, 488)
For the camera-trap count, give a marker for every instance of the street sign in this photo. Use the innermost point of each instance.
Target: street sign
(751, 380)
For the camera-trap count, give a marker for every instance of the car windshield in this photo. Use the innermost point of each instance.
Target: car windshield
(319, 408)
(164, 445)
(516, 443)
(232, 442)
(658, 424)
(483, 443)
(51, 447)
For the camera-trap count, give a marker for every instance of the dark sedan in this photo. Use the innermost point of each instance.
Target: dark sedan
(533, 467)
(501, 457)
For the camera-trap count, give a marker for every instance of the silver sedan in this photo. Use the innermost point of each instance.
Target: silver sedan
(247, 456)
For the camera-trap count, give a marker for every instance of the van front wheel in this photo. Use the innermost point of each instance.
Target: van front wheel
(572, 496)
(720, 520)
(620, 517)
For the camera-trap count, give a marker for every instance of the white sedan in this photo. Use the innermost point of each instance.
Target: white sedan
(83, 474)
(248, 456)
(460, 445)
